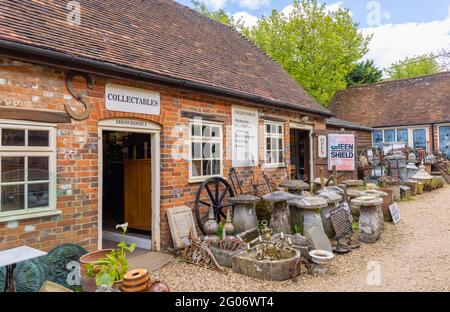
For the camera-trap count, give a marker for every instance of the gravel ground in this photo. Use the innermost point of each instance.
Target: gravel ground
(413, 255)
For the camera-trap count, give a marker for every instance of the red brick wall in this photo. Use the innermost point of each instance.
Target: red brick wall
(24, 85)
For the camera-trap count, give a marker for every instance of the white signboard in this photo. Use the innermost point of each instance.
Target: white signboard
(341, 152)
(132, 100)
(395, 213)
(244, 136)
(322, 146)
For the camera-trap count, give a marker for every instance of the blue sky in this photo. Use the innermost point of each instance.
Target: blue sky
(403, 28)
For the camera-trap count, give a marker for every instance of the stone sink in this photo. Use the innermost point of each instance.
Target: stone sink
(276, 270)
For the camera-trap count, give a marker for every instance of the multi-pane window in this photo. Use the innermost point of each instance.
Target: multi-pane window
(378, 138)
(402, 135)
(274, 143)
(205, 150)
(389, 136)
(27, 161)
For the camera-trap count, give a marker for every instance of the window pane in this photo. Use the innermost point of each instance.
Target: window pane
(268, 157)
(280, 129)
(275, 157)
(215, 150)
(38, 195)
(38, 138)
(444, 140)
(267, 128)
(196, 130)
(377, 137)
(206, 150)
(13, 169)
(215, 132)
(389, 136)
(420, 138)
(196, 150)
(38, 168)
(206, 167)
(280, 144)
(12, 197)
(402, 135)
(206, 131)
(196, 168)
(280, 157)
(268, 144)
(216, 167)
(13, 137)
(274, 143)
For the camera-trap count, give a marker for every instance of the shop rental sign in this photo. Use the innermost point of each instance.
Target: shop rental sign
(341, 152)
(132, 100)
(245, 136)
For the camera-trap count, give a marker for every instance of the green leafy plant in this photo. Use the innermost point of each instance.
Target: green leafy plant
(220, 231)
(296, 229)
(407, 198)
(113, 267)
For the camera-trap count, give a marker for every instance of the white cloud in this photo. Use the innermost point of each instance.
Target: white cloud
(253, 4)
(248, 19)
(215, 4)
(393, 42)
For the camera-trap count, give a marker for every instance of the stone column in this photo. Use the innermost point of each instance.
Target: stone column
(369, 223)
(382, 195)
(244, 218)
(300, 188)
(333, 199)
(312, 222)
(280, 220)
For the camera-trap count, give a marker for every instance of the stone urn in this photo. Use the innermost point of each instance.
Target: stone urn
(211, 226)
(280, 220)
(369, 218)
(244, 218)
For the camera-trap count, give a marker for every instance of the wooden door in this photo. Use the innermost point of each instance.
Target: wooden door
(138, 194)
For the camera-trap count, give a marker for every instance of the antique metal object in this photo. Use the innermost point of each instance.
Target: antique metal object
(216, 193)
(28, 276)
(297, 265)
(78, 96)
(236, 183)
(197, 252)
(61, 261)
(158, 286)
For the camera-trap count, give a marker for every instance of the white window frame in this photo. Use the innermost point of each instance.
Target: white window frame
(410, 134)
(273, 135)
(439, 135)
(200, 139)
(26, 151)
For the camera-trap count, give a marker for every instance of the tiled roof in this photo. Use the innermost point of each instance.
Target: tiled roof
(346, 124)
(160, 37)
(414, 101)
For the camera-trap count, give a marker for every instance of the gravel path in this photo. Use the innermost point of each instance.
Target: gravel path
(411, 256)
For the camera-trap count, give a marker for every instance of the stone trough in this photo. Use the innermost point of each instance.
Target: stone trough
(271, 270)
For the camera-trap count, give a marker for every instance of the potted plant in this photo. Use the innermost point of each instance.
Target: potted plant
(107, 266)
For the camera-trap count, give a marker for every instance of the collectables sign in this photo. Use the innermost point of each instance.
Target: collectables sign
(341, 152)
(132, 100)
(244, 136)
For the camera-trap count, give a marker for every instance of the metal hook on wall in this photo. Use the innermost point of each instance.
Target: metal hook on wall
(78, 96)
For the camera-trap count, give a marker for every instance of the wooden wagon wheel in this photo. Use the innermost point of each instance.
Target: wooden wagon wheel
(214, 192)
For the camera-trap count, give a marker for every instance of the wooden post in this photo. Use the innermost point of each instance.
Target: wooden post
(335, 178)
(322, 178)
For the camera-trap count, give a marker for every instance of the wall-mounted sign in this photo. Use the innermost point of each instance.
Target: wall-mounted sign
(395, 213)
(244, 136)
(341, 152)
(129, 123)
(132, 100)
(322, 146)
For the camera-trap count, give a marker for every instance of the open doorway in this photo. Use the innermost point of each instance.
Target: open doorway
(300, 142)
(127, 186)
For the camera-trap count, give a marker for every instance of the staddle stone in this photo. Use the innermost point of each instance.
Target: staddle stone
(244, 212)
(295, 186)
(333, 199)
(280, 220)
(369, 219)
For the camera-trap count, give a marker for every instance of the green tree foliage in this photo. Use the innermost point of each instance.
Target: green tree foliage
(219, 15)
(364, 73)
(425, 64)
(316, 47)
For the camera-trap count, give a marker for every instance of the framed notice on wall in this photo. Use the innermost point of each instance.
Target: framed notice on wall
(244, 136)
(322, 146)
(341, 152)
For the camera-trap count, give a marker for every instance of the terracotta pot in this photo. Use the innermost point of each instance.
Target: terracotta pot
(387, 201)
(88, 283)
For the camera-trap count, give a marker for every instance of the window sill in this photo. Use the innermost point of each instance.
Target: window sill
(202, 179)
(29, 215)
(274, 166)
